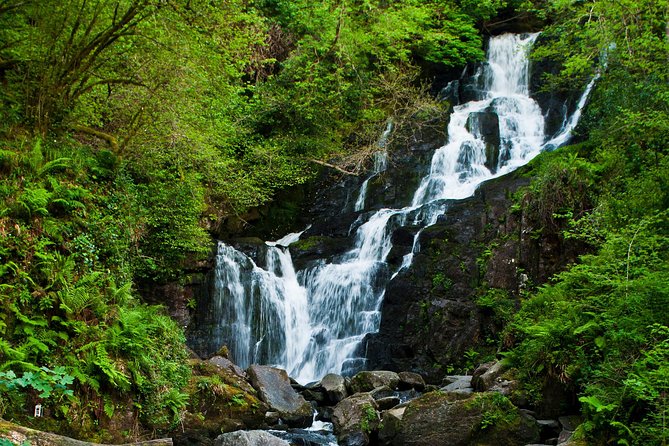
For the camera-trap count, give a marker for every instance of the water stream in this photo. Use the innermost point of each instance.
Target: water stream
(312, 322)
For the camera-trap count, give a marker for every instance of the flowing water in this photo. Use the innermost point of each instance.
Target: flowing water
(312, 322)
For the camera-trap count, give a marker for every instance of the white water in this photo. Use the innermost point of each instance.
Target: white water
(312, 322)
(380, 165)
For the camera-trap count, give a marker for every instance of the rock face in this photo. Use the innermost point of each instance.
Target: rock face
(249, 438)
(485, 125)
(430, 314)
(273, 386)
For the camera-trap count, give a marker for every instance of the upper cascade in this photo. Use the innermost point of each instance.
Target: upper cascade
(312, 322)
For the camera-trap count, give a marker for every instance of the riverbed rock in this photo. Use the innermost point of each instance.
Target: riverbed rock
(441, 419)
(273, 386)
(369, 380)
(249, 438)
(335, 387)
(354, 419)
(458, 384)
(410, 380)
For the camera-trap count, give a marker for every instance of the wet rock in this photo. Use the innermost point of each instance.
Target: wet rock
(485, 125)
(410, 380)
(249, 438)
(370, 380)
(450, 93)
(354, 418)
(335, 387)
(549, 428)
(273, 386)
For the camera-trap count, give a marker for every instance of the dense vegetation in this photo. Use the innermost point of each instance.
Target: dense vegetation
(601, 328)
(130, 128)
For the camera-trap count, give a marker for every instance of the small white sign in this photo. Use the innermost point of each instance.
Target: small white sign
(38, 410)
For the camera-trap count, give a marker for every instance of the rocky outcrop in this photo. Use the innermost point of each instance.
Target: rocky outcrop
(273, 386)
(410, 380)
(479, 249)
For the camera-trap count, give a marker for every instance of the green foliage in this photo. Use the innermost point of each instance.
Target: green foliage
(369, 419)
(439, 280)
(47, 384)
(498, 303)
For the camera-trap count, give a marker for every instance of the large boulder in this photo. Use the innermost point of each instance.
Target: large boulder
(225, 363)
(444, 419)
(249, 438)
(354, 419)
(229, 401)
(335, 387)
(410, 380)
(273, 386)
(458, 384)
(369, 380)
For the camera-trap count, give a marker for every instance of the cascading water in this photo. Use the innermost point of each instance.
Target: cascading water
(312, 322)
(380, 164)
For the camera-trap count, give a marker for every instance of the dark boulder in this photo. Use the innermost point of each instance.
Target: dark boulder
(444, 419)
(273, 386)
(370, 380)
(355, 418)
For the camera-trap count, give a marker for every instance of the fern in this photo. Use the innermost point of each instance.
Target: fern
(85, 294)
(51, 166)
(99, 357)
(34, 201)
(36, 157)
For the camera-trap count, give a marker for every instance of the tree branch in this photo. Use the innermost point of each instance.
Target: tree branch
(111, 140)
(332, 166)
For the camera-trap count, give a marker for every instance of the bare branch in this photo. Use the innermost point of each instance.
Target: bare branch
(332, 166)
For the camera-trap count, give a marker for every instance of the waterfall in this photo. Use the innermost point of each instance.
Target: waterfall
(380, 164)
(312, 322)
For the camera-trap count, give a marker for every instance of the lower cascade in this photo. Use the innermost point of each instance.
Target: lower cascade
(312, 322)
